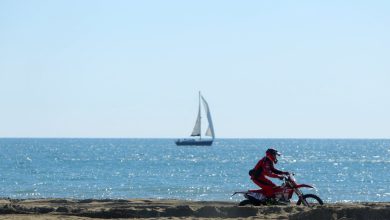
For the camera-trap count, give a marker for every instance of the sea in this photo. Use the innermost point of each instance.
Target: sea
(342, 170)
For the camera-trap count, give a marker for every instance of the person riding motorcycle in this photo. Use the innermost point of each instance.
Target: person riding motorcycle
(265, 167)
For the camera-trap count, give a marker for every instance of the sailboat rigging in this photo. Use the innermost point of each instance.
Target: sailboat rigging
(197, 131)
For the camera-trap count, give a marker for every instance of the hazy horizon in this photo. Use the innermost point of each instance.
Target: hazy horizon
(218, 138)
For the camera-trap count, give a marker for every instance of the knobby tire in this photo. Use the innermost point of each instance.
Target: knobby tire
(306, 196)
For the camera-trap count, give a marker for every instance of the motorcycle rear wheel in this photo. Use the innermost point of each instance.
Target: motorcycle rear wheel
(311, 199)
(244, 202)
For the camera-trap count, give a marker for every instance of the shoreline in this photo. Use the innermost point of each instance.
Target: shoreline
(61, 208)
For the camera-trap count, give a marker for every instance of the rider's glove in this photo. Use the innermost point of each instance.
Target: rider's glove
(281, 177)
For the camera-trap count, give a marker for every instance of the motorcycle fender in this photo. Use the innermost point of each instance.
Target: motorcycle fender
(304, 185)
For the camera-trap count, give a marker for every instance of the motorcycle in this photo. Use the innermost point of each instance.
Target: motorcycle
(282, 195)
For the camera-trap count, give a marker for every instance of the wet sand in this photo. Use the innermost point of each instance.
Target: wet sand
(38, 209)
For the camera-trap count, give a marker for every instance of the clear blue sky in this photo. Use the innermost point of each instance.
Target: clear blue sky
(269, 69)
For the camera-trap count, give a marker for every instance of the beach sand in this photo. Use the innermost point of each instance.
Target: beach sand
(38, 209)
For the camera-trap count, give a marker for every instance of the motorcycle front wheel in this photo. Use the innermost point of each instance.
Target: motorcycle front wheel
(311, 200)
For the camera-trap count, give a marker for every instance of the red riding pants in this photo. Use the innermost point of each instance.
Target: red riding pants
(266, 185)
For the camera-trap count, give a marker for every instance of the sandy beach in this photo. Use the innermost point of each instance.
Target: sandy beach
(179, 209)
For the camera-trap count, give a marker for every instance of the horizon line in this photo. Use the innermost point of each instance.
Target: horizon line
(293, 138)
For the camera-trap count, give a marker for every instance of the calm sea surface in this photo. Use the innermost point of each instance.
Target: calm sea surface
(342, 170)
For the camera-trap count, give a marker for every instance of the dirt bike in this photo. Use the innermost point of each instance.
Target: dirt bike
(282, 195)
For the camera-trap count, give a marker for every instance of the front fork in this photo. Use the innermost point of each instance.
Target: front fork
(300, 196)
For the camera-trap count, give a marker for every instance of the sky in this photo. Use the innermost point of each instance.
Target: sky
(133, 69)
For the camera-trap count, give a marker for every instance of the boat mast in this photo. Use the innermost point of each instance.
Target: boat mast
(200, 119)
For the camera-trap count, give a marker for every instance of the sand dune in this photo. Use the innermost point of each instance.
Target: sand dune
(178, 209)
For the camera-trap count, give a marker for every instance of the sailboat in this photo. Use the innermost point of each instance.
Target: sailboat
(196, 132)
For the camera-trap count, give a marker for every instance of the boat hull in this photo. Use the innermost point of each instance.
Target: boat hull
(193, 142)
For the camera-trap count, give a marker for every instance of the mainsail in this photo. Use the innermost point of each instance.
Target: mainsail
(210, 129)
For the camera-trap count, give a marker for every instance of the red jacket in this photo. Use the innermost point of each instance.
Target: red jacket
(265, 167)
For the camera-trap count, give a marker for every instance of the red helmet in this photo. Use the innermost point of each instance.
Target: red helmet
(271, 154)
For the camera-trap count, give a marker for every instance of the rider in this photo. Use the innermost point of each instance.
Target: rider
(265, 167)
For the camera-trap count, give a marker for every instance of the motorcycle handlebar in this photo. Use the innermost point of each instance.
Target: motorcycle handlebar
(286, 177)
(290, 173)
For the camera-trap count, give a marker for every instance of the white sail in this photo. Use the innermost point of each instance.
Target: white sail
(197, 131)
(210, 129)
(197, 128)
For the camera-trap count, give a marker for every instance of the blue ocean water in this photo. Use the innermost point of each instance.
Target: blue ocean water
(341, 170)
